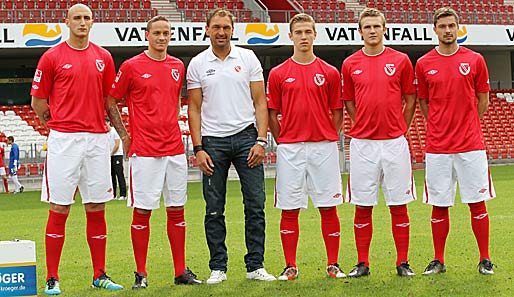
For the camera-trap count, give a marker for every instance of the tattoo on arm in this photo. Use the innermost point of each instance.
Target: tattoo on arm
(46, 116)
(116, 121)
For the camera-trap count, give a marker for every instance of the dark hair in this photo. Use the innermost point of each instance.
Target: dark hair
(445, 12)
(222, 12)
(11, 138)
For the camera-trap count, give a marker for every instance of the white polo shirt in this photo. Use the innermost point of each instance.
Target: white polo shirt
(227, 106)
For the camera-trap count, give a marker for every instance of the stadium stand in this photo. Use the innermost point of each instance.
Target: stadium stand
(54, 11)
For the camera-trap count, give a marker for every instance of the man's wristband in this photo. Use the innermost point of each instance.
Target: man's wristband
(197, 148)
(262, 139)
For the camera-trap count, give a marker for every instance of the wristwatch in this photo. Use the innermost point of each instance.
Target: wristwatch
(196, 149)
(262, 142)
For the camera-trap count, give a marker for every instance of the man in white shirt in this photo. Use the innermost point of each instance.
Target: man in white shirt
(117, 175)
(228, 120)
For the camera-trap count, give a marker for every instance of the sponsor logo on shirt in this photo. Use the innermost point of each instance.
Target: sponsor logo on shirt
(464, 68)
(319, 79)
(357, 72)
(432, 72)
(175, 74)
(290, 80)
(100, 65)
(67, 66)
(118, 76)
(389, 69)
(210, 72)
(237, 68)
(146, 75)
(38, 75)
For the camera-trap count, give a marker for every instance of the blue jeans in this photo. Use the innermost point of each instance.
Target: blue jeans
(223, 152)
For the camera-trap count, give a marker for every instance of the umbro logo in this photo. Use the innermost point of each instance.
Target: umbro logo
(55, 235)
(337, 196)
(435, 221)
(286, 231)
(432, 72)
(139, 227)
(357, 72)
(35, 87)
(99, 237)
(181, 224)
(403, 225)
(290, 80)
(335, 234)
(360, 226)
(67, 66)
(480, 216)
(146, 75)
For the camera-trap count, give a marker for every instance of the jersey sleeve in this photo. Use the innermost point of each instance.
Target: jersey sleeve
(335, 92)
(181, 81)
(193, 77)
(482, 78)
(256, 73)
(422, 86)
(408, 82)
(109, 74)
(121, 82)
(348, 91)
(43, 78)
(274, 92)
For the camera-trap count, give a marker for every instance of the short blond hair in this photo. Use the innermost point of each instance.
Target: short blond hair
(371, 12)
(301, 18)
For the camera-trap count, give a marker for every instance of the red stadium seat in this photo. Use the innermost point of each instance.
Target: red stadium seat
(33, 169)
(181, 4)
(22, 171)
(147, 4)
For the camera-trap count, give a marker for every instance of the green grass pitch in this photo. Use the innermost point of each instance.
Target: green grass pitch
(24, 217)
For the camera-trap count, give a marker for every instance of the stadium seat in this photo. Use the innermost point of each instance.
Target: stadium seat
(33, 169)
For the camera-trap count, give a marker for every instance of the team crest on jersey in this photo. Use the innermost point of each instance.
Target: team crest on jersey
(319, 79)
(118, 76)
(389, 69)
(37, 76)
(100, 65)
(237, 68)
(175, 74)
(464, 68)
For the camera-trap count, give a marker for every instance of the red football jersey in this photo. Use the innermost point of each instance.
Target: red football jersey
(450, 84)
(377, 84)
(152, 89)
(2, 154)
(75, 83)
(305, 94)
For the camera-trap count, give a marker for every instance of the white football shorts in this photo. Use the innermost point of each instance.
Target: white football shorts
(149, 177)
(375, 163)
(74, 161)
(2, 170)
(469, 169)
(308, 169)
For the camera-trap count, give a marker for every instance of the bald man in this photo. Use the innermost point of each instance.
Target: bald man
(69, 89)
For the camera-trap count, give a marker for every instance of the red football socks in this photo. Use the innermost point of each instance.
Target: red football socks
(54, 241)
(6, 185)
(401, 232)
(96, 232)
(140, 234)
(330, 228)
(363, 229)
(480, 225)
(440, 230)
(289, 234)
(177, 237)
